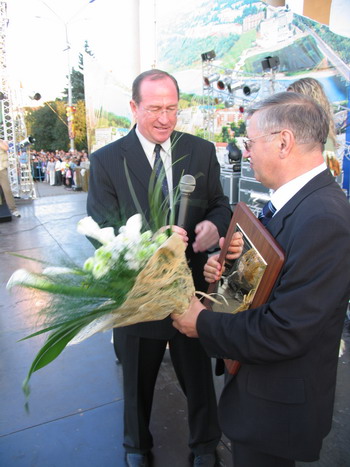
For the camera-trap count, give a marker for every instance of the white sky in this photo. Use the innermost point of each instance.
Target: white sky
(36, 39)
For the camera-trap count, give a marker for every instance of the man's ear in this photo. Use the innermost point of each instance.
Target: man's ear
(286, 142)
(133, 107)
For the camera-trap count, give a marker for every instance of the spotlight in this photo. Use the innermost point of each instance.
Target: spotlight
(2, 96)
(210, 79)
(224, 83)
(27, 142)
(270, 63)
(234, 153)
(232, 87)
(208, 56)
(229, 103)
(36, 97)
(248, 90)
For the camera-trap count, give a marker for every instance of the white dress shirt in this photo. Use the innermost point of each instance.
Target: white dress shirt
(165, 154)
(283, 194)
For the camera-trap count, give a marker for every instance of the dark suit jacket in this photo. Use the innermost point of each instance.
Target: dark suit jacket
(109, 196)
(281, 401)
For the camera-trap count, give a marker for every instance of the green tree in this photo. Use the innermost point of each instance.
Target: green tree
(48, 126)
(239, 129)
(80, 126)
(225, 134)
(77, 83)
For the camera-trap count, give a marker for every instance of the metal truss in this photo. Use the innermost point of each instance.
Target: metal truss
(12, 126)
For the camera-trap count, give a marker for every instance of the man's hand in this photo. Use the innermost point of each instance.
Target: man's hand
(212, 270)
(4, 145)
(186, 322)
(207, 235)
(179, 230)
(235, 248)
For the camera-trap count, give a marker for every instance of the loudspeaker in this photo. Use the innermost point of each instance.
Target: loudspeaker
(5, 213)
(270, 63)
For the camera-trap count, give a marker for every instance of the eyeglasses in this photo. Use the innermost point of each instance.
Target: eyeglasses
(247, 142)
(157, 112)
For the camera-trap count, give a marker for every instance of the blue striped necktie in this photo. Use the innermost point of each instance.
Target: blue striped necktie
(267, 212)
(160, 170)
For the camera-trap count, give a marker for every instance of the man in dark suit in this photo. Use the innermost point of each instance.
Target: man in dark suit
(141, 347)
(278, 408)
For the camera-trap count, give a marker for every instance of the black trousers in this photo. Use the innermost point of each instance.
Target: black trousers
(244, 456)
(141, 358)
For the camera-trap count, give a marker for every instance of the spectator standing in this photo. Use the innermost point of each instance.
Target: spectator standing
(4, 179)
(313, 88)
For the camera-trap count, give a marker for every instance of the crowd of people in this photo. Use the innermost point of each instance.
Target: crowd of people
(59, 167)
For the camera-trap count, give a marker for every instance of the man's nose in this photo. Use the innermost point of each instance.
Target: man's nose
(164, 116)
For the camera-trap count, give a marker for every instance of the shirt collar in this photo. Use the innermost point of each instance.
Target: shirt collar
(148, 146)
(283, 194)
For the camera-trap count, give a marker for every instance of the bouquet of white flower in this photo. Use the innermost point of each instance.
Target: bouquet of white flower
(133, 277)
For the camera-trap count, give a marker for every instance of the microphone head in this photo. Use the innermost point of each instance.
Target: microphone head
(187, 184)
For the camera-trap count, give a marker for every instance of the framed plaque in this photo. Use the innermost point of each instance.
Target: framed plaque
(249, 281)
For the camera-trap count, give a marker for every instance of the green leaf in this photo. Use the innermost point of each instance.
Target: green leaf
(83, 320)
(54, 345)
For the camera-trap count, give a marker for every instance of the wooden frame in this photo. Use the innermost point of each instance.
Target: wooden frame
(267, 249)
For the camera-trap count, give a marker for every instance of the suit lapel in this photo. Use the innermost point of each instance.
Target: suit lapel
(181, 150)
(139, 166)
(136, 158)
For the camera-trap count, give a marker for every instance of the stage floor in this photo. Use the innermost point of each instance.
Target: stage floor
(76, 403)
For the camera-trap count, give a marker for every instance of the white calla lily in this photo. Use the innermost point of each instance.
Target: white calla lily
(24, 278)
(131, 231)
(56, 271)
(90, 228)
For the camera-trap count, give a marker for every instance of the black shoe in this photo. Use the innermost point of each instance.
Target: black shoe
(205, 460)
(134, 459)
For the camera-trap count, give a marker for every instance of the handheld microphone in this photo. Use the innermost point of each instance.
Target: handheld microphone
(187, 186)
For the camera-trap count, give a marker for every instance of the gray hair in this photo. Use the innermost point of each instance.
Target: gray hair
(300, 114)
(152, 75)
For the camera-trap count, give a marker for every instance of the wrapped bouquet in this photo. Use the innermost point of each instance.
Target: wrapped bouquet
(133, 277)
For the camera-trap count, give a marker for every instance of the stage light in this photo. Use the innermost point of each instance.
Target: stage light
(208, 56)
(270, 63)
(210, 79)
(2, 96)
(234, 153)
(224, 83)
(26, 142)
(227, 82)
(248, 90)
(37, 96)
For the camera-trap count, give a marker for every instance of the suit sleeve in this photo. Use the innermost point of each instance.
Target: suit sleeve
(307, 306)
(102, 201)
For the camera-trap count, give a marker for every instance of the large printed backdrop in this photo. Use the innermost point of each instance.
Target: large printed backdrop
(242, 34)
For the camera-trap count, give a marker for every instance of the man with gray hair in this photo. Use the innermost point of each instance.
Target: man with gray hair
(278, 408)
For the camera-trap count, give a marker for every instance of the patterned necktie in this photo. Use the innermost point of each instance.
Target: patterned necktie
(267, 212)
(160, 171)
